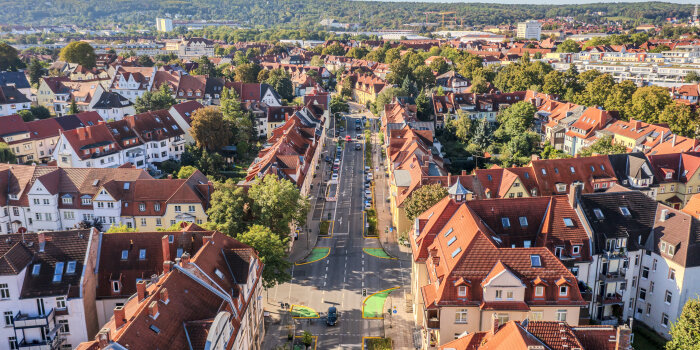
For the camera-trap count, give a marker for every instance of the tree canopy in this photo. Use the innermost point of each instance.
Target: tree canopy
(685, 332)
(270, 249)
(209, 129)
(79, 52)
(423, 199)
(6, 154)
(155, 100)
(9, 59)
(602, 146)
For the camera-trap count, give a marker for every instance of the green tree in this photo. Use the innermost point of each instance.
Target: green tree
(550, 152)
(79, 52)
(647, 103)
(40, 112)
(145, 61)
(6, 154)
(515, 120)
(479, 85)
(277, 204)
(26, 115)
(280, 81)
(423, 199)
(483, 134)
(247, 72)
(339, 105)
(209, 129)
(239, 120)
(206, 67)
(73, 109)
(307, 339)
(692, 77)
(460, 125)
(346, 87)
(357, 52)
(153, 101)
(568, 46)
(120, 228)
(317, 61)
(439, 65)
(519, 148)
(685, 332)
(424, 106)
(596, 92)
(270, 248)
(35, 72)
(228, 211)
(424, 77)
(186, 171)
(588, 76)
(620, 97)
(409, 86)
(680, 118)
(9, 59)
(387, 95)
(334, 50)
(602, 146)
(554, 83)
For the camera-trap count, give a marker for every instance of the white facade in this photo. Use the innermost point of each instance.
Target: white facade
(164, 24)
(529, 30)
(13, 108)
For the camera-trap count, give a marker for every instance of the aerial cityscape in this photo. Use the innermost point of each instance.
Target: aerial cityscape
(333, 174)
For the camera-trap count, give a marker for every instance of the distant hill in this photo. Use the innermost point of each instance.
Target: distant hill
(307, 13)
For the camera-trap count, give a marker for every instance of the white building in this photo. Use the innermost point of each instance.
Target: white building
(529, 30)
(164, 24)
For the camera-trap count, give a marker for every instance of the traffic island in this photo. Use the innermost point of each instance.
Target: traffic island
(373, 305)
(316, 255)
(377, 253)
(376, 343)
(324, 228)
(301, 311)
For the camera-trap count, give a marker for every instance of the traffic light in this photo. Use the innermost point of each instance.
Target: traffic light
(364, 292)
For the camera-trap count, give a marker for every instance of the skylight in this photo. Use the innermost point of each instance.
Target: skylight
(448, 232)
(35, 269)
(592, 168)
(70, 269)
(544, 172)
(171, 238)
(456, 251)
(125, 254)
(523, 221)
(598, 214)
(535, 261)
(505, 222)
(572, 170)
(452, 240)
(154, 328)
(58, 272)
(625, 211)
(568, 222)
(142, 254)
(556, 170)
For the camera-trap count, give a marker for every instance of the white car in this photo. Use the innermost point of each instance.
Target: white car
(368, 194)
(369, 177)
(336, 162)
(334, 177)
(368, 205)
(367, 169)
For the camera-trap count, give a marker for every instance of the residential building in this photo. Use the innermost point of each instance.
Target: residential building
(112, 106)
(19, 81)
(634, 171)
(47, 283)
(677, 176)
(581, 133)
(182, 113)
(12, 100)
(133, 82)
(190, 48)
(164, 25)
(365, 87)
(529, 30)
(452, 81)
(212, 298)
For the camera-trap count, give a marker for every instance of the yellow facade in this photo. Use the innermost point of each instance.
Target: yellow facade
(171, 216)
(45, 97)
(625, 141)
(683, 191)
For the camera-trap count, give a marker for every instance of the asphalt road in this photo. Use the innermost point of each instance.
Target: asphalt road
(339, 279)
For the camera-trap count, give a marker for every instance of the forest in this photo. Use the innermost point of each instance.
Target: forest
(294, 14)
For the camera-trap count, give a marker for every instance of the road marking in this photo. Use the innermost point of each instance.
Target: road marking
(325, 276)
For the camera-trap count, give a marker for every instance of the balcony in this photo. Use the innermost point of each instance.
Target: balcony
(613, 276)
(22, 320)
(612, 298)
(48, 344)
(432, 320)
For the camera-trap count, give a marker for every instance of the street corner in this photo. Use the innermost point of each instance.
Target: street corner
(317, 254)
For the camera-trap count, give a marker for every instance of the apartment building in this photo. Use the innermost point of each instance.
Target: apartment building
(52, 198)
(529, 30)
(212, 297)
(677, 176)
(47, 285)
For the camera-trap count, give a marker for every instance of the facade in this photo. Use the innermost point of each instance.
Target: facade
(191, 48)
(529, 30)
(164, 25)
(12, 100)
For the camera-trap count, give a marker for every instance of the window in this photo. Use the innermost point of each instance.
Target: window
(648, 309)
(13, 343)
(509, 295)
(669, 297)
(642, 294)
(116, 287)
(568, 222)
(191, 208)
(625, 211)
(461, 316)
(563, 291)
(142, 207)
(499, 294)
(9, 318)
(558, 251)
(651, 287)
(58, 272)
(159, 222)
(178, 253)
(505, 222)
(653, 265)
(100, 204)
(143, 221)
(125, 254)
(561, 315)
(462, 291)
(535, 261)
(64, 326)
(663, 246)
(68, 215)
(539, 291)
(671, 274)
(576, 250)
(598, 214)
(178, 209)
(35, 269)
(4, 291)
(219, 273)
(645, 272)
(86, 201)
(544, 172)
(70, 269)
(671, 250)
(456, 251)
(664, 320)
(156, 207)
(502, 318)
(536, 315)
(523, 221)
(142, 254)
(36, 201)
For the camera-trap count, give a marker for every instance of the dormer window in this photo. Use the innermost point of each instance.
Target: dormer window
(598, 214)
(505, 222)
(576, 250)
(70, 269)
(563, 291)
(142, 207)
(535, 261)
(142, 254)
(544, 172)
(625, 211)
(539, 291)
(58, 272)
(668, 175)
(462, 291)
(671, 249)
(36, 269)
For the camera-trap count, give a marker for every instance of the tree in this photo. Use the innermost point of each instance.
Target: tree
(647, 103)
(334, 50)
(307, 339)
(424, 106)
(439, 65)
(479, 85)
(519, 148)
(568, 46)
(35, 72)
(205, 67)
(620, 96)
(483, 134)
(460, 126)
(209, 129)
(554, 83)
(685, 332)
(145, 61)
(230, 104)
(680, 118)
(9, 58)
(387, 95)
(228, 210)
(424, 77)
(346, 87)
(153, 101)
(239, 120)
(317, 61)
(247, 72)
(186, 171)
(79, 52)
(423, 199)
(40, 112)
(515, 120)
(277, 204)
(692, 77)
(602, 146)
(357, 52)
(409, 86)
(550, 152)
(26, 115)
(280, 81)
(270, 248)
(339, 105)
(120, 228)
(596, 92)
(6, 154)
(73, 109)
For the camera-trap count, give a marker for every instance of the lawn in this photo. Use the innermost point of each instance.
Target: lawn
(300, 311)
(316, 255)
(324, 227)
(378, 344)
(373, 305)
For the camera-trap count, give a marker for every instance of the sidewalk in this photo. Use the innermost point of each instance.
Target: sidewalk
(399, 326)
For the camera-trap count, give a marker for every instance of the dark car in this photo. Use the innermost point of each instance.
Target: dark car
(358, 127)
(332, 317)
(337, 133)
(328, 159)
(359, 136)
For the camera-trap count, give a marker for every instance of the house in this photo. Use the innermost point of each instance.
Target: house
(254, 92)
(12, 100)
(465, 277)
(677, 177)
(47, 282)
(556, 176)
(211, 297)
(112, 106)
(133, 82)
(365, 87)
(581, 133)
(190, 48)
(182, 113)
(452, 81)
(52, 90)
(19, 81)
(634, 171)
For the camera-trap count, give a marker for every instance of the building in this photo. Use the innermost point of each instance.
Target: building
(48, 282)
(164, 25)
(529, 30)
(211, 299)
(190, 48)
(677, 176)
(12, 100)
(465, 274)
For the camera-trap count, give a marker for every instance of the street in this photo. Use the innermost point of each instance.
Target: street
(339, 278)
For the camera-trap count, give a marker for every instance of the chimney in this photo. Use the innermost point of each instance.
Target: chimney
(164, 295)
(464, 173)
(103, 338)
(141, 290)
(119, 316)
(165, 246)
(41, 236)
(624, 338)
(167, 266)
(637, 124)
(185, 260)
(153, 309)
(664, 214)
(494, 324)
(170, 176)
(449, 179)
(574, 194)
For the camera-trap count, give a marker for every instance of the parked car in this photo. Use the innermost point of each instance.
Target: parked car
(367, 169)
(341, 129)
(359, 136)
(368, 205)
(334, 177)
(368, 194)
(348, 138)
(332, 316)
(367, 185)
(328, 159)
(369, 177)
(358, 147)
(337, 133)
(337, 161)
